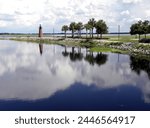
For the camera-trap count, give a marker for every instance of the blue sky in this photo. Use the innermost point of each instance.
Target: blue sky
(26, 15)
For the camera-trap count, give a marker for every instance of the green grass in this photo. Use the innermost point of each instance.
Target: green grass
(106, 49)
(88, 43)
(125, 38)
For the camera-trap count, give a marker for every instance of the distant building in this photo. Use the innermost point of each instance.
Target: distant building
(40, 31)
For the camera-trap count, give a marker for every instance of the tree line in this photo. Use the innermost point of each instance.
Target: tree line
(140, 28)
(100, 26)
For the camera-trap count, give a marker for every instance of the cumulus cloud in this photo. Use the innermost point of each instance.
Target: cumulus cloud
(147, 13)
(26, 15)
(125, 12)
(131, 1)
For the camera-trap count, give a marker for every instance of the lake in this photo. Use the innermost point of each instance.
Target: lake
(50, 77)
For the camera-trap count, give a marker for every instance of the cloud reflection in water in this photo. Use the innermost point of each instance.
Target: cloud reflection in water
(30, 73)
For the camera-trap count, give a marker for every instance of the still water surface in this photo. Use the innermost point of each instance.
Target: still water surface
(51, 77)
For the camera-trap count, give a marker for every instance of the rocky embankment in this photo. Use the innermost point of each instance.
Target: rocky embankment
(134, 47)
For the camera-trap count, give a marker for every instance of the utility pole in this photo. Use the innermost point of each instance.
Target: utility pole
(53, 33)
(118, 32)
(53, 39)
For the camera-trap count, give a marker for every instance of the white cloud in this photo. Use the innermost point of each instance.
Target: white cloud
(3, 23)
(147, 13)
(131, 1)
(24, 15)
(125, 12)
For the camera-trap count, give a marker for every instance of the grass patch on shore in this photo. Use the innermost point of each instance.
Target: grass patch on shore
(105, 49)
(126, 38)
(88, 43)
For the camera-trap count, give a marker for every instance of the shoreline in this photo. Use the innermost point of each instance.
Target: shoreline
(96, 45)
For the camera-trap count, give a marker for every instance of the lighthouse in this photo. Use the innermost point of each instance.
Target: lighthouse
(40, 31)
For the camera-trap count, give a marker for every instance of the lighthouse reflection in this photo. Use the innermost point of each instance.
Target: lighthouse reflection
(41, 48)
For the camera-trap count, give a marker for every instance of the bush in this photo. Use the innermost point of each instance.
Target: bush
(88, 43)
(144, 40)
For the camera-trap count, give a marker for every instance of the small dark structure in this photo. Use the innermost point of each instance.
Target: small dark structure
(40, 31)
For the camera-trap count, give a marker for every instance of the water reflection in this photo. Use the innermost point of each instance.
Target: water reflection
(41, 48)
(140, 64)
(65, 53)
(99, 59)
(62, 71)
(92, 59)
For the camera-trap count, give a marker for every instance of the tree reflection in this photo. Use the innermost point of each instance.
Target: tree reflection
(139, 64)
(65, 53)
(73, 55)
(99, 59)
(76, 56)
(90, 57)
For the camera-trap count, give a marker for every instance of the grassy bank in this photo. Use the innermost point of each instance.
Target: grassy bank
(126, 38)
(107, 49)
(110, 44)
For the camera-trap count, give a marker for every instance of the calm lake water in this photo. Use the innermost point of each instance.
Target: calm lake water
(51, 77)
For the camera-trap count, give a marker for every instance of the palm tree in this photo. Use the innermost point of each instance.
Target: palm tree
(79, 27)
(72, 28)
(92, 23)
(101, 27)
(87, 27)
(65, 28)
